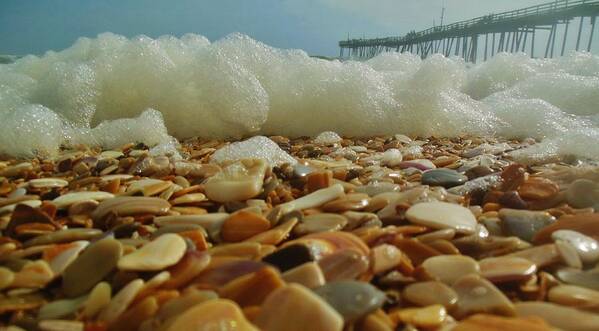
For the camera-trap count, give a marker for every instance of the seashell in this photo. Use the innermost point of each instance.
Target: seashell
(478, 295)
(20, 302)
(26, 215)
(247, 250)
(238, 181)
(415, 250)
(541, 256)
(307, 274)
(133, 317)
(158, 254)
(275, 235)
(538, 188)
(47, 183)
(83, 207)
(588, 278)
(430, 293)
(574, 296)
(187, 199)
(190, 266)
(64, 201)
(212, 314)
(6, 277)
(242, 225)
(587, 224)
(316, 180)
(568, 254)
(119, 303)
(443, 234)
(148, 187)
(289, 257)
(60, 308)
(16, 170)
(587, 247)
(128, 206)
(583, 193)
(353, 202)
(252, 289)
(218, 274)
(310, 312)
(10, 208)
(61, 236)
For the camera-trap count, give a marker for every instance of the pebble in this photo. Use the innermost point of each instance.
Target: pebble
(351, 299)
(130, 206)
(237, 182)
(391, 157)
(568, 254)
(587, 224)
(310, 312)
(98, 299)
(6, 277)
(506, 269)
(289, 257)
(68, 199)
(384, 258)
(588, 278)
(574, 296)
(420, 164)
(60, 308)
(34, 274)
(345, 264)
(63, 259)
(478, 171)
(319, 223)
(442, 215)
(242, 225)
(443, 177)
(487, 322)
(538, 188)
(44, 183)
(561, 317)
(587, 247)
(158, 254)
(307, 274)
(427, 317)
(430, 293)
(96, 261)
(449, 268)
(376, 188)
(478, 295)
(217, 314)
(524, 224)
(583, 193)
(119, 303)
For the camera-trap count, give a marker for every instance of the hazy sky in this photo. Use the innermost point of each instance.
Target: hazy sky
(34, 26)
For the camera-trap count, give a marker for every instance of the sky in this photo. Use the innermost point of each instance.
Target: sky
(35, 26)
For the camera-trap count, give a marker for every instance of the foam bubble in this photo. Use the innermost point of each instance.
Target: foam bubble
(238, 87)
(258, 147)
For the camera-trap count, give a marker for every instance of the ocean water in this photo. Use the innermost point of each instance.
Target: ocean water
(111, 90)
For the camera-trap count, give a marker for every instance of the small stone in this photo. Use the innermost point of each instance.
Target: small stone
(391, 157)
(187, 199)
(317, 180)
(68, 199)
(583, 193)
(63, 258)
(587, 224)
(33, 275)
(238, 181)
(420, 164)
(538, 188)
(190, 266)
(487, 322)
(158, 254)
(345, 264)
(478, 295)
(60, 308)
(319, 223)
(351, 299)
(506, 269)
(511, 199)
(97, 300)
(307, 274)
(217, 314)
(130, 206)
(376, 188)
(478, 171)
(443, 177)
(442, 215)
(384, 258)
(97, 261)
(242, 225)
(121, 301)
(450, 268)
(310, 312)
(524, 224)
(588, 278)
(587, 247)
(574, 296)
(253, 288)
(568, 254)
(289, 257)
(430, 293)
(541, 256)
(47, 183)
(6, 277)
(427, 317)
(300, 170)
(561, 317)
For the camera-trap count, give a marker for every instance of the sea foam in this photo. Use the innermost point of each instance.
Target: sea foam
(110, 90)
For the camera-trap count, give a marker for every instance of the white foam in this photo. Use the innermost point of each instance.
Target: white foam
(238, 87)
(258, 147)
